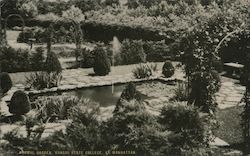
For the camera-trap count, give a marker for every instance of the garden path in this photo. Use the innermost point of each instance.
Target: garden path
(230, 93)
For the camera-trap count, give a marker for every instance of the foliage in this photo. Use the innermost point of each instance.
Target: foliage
(168, 69)
(86, 5)
(83, 132)
(128, 94)
(9, 7)
(190, 127)
(159, 51)
(14, 60)
(204, 86)
(245, 116)
(112, 2)
(73, 13)
(87, 58)
(148, 3)
(102, 63)
(19, 104)
(144, 70)
(200, 53)
(37, 59)
(54, 108)
(52, 63)
(5, 83)
(137, 51)
(32, 141)
(181, 93)
(41, 80)
(53, 7)
(132, 4)
(131, 52)
(49, 74)
(63, 34)
(34, 32)
(133, 128)
(236, 48)
(230, 118)
(28, 8)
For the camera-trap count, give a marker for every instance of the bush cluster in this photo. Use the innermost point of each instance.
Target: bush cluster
(14, 60)
(60, 35)
(138, 51)
(87, 58)
(187, 124)
(102, 62)
(52, 63)
(37, 59)
(42, 79)
(131, 53)
(179, 128)
(49, 76)
(128, 94)
(19, 104)
(144, 70)
(168, 69)
(22, 60)
(54, 108)
(5, 83)
(181, 92)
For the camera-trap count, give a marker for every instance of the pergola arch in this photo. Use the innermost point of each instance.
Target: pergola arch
(77, 33)
(6, 22)
(238, 30)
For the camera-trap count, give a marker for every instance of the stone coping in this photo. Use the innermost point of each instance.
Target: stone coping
(100, 84)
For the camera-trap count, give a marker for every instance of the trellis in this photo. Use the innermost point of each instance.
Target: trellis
(77, 35)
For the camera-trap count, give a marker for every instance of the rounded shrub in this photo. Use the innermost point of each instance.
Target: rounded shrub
(132, 127)
(102, 62)
(128, 94)
(19, 104)
(168, 69)
(190, 128)
(52, 63)
(5, 82)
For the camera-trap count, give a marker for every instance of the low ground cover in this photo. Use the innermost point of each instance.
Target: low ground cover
(230, 125)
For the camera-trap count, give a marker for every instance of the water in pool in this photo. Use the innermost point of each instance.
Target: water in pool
(102, 95)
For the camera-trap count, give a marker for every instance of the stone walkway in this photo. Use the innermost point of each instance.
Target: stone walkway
(230, 94)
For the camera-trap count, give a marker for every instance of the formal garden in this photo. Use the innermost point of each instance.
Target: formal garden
(124, 77)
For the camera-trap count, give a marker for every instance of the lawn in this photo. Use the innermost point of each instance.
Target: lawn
(230, 125)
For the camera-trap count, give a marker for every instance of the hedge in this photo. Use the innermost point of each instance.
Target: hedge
(94, 31)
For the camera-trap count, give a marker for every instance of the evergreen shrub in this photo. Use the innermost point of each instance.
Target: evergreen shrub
(19, 104)
(5, 82)
(102, 63)
(168, 69)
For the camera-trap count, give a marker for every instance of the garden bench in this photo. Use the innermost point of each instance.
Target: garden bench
(233, 69)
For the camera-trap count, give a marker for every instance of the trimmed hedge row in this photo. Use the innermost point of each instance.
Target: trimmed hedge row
(12, 60)
(94, 31)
